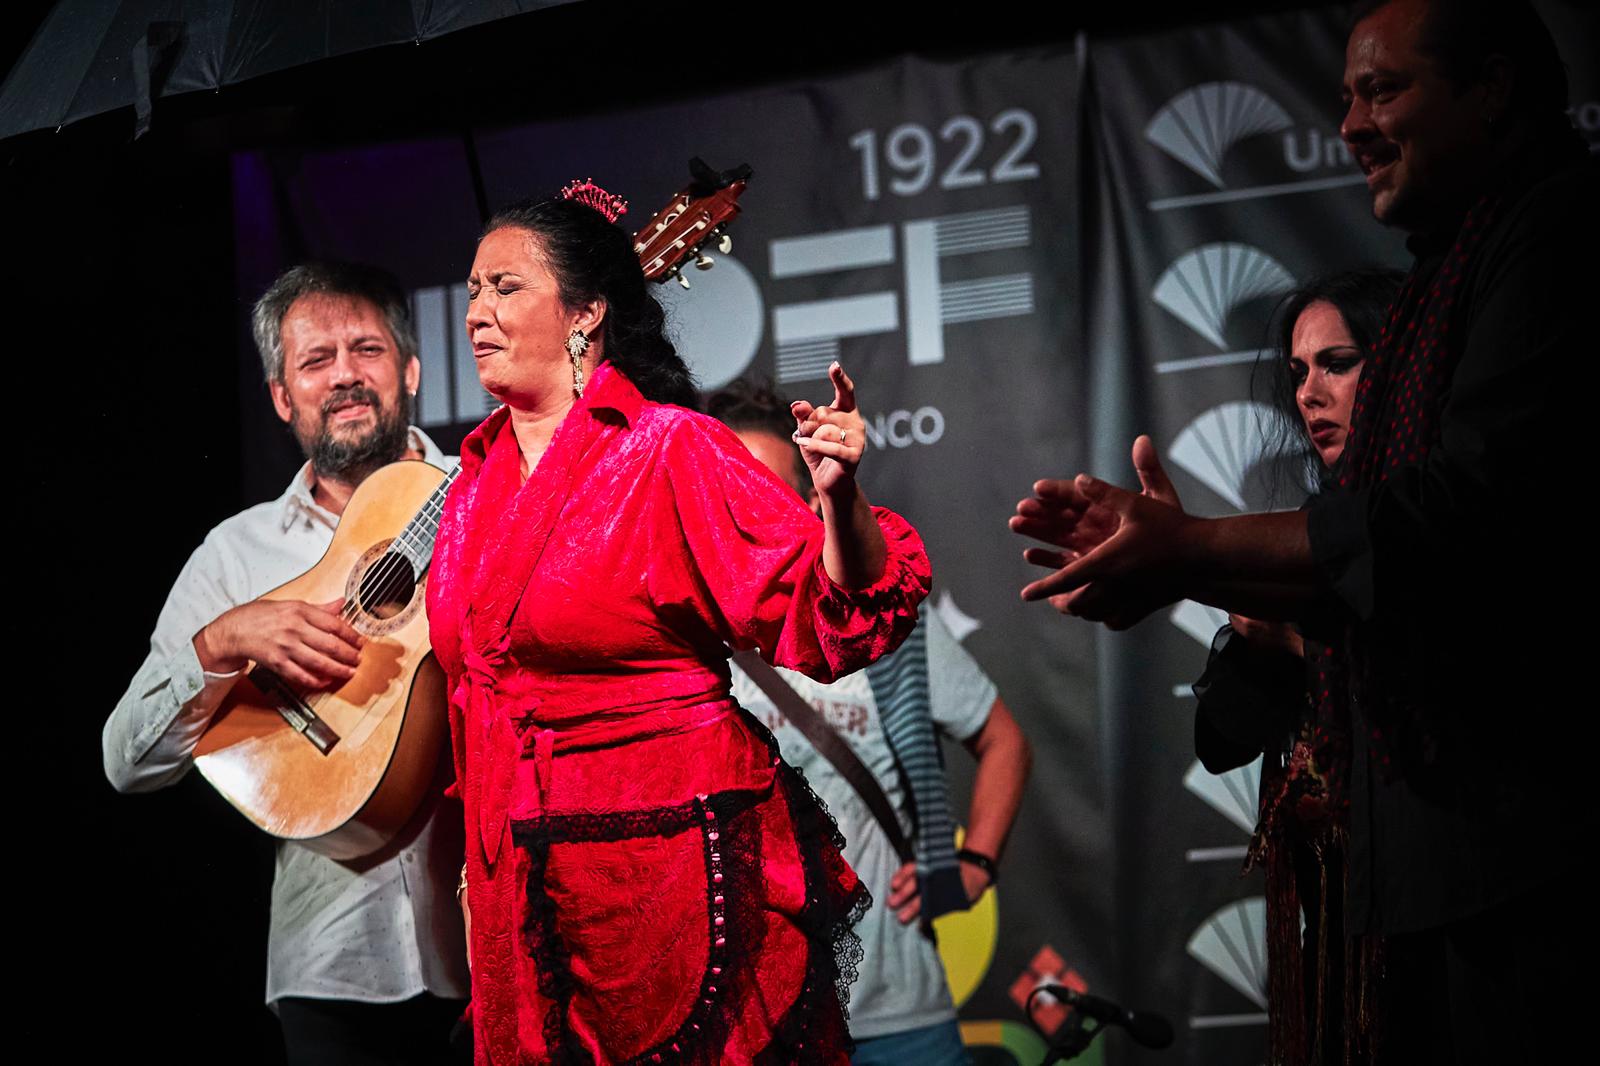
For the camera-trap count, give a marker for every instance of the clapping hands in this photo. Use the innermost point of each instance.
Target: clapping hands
(1117, 554)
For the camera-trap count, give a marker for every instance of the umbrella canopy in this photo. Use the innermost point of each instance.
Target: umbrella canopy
(93, 56)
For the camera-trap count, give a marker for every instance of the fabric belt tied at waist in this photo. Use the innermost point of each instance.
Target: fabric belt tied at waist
(518, 753)
(497, 747)
(532, 774)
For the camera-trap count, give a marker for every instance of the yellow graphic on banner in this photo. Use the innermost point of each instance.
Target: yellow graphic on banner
(1024, 1045)
(966, 944)
(967, 940)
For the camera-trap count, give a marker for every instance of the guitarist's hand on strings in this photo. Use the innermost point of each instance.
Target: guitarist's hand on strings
(309, 645)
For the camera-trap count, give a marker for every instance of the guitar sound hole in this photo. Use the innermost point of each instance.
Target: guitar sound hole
(387, 586)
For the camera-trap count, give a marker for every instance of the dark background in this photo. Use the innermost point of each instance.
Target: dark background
(143, 919)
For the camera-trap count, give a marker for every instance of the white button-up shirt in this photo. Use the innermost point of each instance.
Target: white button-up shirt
(379, 935)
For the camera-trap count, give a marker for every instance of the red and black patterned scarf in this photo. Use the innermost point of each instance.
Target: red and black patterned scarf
(1305, 802)
(1395, 423)
(1318, 1014)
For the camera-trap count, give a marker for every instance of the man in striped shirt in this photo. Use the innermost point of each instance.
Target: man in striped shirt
(900, 1005)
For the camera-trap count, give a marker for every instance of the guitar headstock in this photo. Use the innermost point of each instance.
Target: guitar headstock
(697, 216)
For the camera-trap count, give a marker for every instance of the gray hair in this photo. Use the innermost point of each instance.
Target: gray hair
(378, 287)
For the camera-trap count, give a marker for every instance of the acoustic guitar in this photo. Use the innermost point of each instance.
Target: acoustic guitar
(344, 771)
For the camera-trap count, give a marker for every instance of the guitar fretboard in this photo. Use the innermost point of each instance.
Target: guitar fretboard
(415, 542)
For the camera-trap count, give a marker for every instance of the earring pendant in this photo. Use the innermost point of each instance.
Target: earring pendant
(577, 344)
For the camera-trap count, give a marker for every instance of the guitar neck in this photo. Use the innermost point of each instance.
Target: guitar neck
(415, 542)
(693, 220)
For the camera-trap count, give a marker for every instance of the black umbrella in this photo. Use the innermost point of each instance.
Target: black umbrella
(93, 56)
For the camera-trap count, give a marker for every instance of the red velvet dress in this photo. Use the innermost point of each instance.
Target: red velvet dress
(648, 881)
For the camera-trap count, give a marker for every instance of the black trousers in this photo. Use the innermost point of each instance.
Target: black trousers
(1513, 984)
(338, 1032)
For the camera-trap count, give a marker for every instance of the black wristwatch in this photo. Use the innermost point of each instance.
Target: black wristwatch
(981, 861)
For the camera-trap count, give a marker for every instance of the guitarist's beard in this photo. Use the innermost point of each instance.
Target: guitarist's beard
(351, 458)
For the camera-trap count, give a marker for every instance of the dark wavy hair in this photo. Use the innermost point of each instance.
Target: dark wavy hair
(591, 258)
(757, 407)
(1362, 298)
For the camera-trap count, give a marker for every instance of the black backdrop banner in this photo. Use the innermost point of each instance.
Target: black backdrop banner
(1219, 181)
(1024, 259)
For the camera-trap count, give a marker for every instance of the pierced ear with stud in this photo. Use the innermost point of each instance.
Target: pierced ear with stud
(577, 344)
(1499, 78)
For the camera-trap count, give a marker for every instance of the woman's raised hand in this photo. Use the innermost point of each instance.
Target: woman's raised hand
(832, 438)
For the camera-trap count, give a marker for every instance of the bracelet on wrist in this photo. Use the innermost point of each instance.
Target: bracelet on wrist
(981, 861)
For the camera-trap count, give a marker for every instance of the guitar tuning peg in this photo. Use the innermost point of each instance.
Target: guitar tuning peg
(725, 245)
(683, 280)
(704, 262)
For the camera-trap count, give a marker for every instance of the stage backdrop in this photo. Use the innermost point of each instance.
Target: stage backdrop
(1024, 259)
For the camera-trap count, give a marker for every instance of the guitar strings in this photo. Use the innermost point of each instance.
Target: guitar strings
(394, 570)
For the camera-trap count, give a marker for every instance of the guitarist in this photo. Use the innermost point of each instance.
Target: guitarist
(364, 964)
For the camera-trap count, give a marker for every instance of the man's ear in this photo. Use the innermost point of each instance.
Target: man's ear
(280, 399)
(411, 376)
(1499, 79)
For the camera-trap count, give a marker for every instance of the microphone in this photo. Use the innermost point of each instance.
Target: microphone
(1151, 1030)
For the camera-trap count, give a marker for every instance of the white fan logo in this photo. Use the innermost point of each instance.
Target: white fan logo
(1223, 445)
(1199, 620)
(1232, 944)
(1199, 125)
(1204, 285)
(1232, 795)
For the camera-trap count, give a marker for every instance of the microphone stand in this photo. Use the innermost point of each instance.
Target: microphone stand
(1071, 1040)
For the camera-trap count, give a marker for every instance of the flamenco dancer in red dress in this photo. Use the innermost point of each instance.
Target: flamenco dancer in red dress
(647, 881)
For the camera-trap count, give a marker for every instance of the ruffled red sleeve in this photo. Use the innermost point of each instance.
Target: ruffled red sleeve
(854, 627)
(738, 549)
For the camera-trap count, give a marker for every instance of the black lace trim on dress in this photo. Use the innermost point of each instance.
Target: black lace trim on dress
(611, 826)
(813, 1027)
(736, 929)
(829, 916)
(811, 1031)
(552, 960)
(828, 827)
(727, 877)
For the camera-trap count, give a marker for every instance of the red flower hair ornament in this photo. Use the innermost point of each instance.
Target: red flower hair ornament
(589, 194)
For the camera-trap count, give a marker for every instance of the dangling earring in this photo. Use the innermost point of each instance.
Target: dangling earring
(577, 344)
